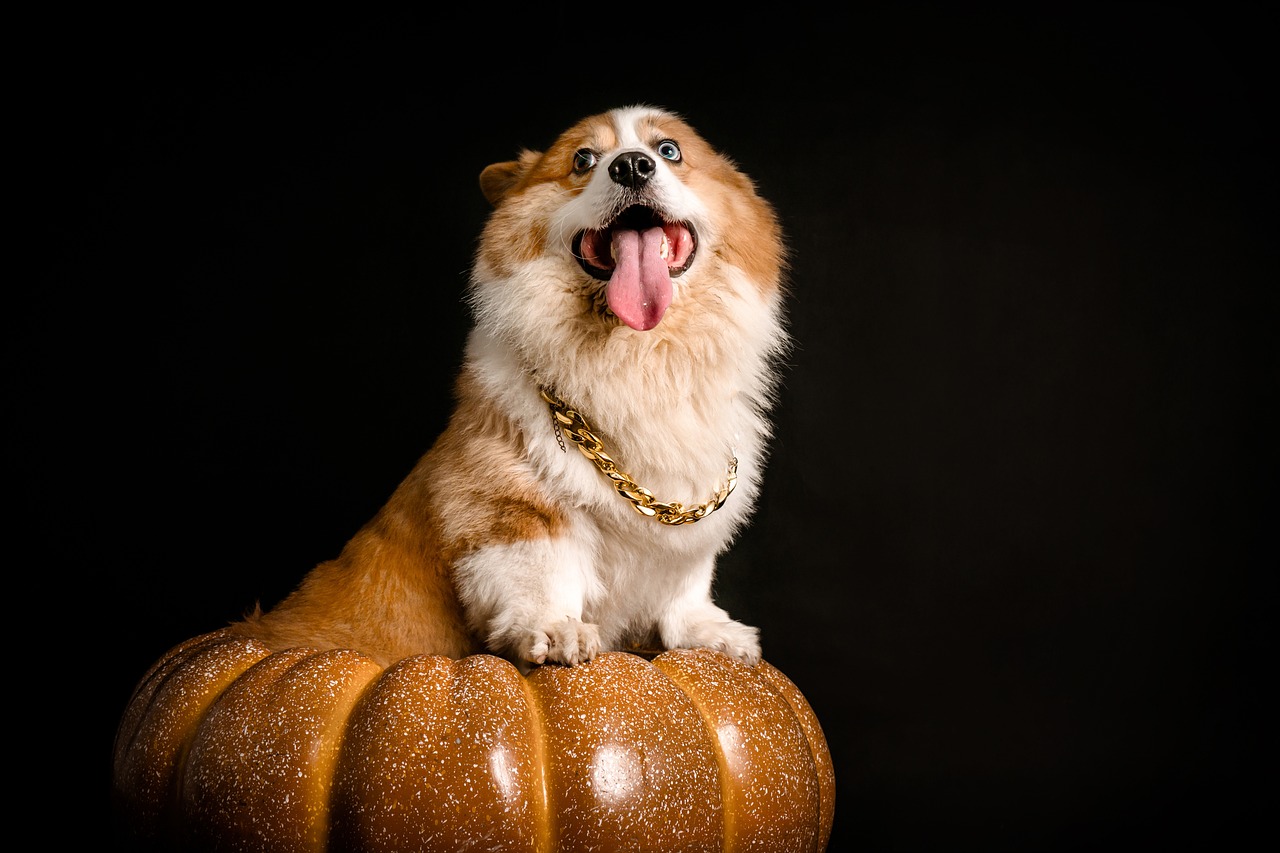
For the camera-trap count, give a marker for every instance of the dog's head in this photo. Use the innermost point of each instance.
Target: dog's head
(628, 220)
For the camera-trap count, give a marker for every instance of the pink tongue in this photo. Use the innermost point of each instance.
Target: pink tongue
(640, 289)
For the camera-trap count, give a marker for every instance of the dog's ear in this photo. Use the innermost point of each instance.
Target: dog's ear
(499, 179)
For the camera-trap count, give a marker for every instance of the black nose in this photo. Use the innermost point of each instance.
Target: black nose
(631, 169)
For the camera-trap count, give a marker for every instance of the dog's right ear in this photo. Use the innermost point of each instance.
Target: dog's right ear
(500, 178)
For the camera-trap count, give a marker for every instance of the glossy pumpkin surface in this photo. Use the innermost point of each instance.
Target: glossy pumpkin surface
(226, 745)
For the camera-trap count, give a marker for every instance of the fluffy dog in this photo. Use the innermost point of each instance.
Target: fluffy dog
(627, 293)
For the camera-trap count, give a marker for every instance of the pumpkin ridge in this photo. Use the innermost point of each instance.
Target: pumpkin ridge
(728, 811)
(151, 761)
(630, 763)
(812, 728)
(201, 783)
(152, 686)
(171, 666)
(543, 819)
(340, 721)
(771, 780)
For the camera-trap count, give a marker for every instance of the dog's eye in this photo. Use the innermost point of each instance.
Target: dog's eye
(584, 160)
(668, 150)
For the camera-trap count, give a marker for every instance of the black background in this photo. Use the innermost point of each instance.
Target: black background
(1015, 543)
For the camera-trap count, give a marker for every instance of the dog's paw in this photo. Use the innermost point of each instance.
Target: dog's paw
(727, 636)
(568, 641)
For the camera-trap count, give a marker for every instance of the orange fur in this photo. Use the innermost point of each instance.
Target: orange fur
(390, 592)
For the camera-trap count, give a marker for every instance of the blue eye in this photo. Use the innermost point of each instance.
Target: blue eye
(668, 150)
(584, 160)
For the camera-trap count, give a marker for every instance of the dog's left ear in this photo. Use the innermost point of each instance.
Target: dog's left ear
(500, 178)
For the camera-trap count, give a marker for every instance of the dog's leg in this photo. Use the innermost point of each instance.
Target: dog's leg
(526, 599)
(693, 621)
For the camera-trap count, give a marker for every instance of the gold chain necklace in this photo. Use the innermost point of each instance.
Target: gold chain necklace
(572, 424)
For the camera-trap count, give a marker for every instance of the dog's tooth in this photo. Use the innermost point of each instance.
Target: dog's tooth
(664, 251)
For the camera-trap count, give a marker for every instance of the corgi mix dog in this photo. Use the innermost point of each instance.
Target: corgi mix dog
(627, 294)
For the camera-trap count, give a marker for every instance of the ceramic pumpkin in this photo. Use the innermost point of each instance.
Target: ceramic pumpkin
(226, 745)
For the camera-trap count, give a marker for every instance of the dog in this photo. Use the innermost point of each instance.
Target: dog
(611, 419)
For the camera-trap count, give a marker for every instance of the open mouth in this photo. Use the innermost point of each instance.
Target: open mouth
(600, 251)
(637, 255)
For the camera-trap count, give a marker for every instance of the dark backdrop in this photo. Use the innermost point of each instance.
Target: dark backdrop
(1011, 544)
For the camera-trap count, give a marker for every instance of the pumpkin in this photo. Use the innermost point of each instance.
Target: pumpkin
(226, 745)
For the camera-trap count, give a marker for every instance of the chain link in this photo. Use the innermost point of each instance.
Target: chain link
(572, 424)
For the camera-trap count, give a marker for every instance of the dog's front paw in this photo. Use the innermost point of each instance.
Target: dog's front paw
(568, 641)
(727, 636)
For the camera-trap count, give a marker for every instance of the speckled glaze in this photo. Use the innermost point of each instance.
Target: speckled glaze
(226, 745)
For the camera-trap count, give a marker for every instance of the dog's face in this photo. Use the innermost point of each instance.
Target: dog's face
(623, 221)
